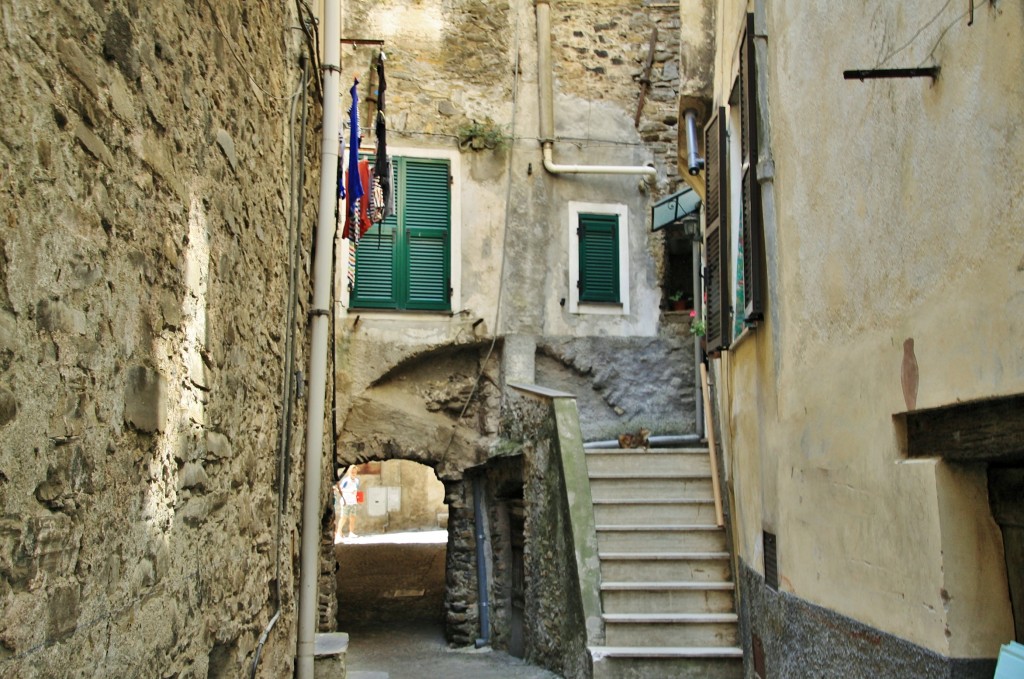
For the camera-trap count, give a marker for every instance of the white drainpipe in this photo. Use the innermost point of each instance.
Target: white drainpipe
(547, 107)
(322, 281)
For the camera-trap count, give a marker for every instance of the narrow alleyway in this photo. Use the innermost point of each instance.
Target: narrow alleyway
(391, 598)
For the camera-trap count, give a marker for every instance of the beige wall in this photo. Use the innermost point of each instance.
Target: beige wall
(898, 216)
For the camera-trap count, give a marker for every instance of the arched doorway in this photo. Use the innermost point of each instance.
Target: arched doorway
(392, 570)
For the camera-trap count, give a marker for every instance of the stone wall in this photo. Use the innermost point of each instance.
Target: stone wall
(622, 384)
(555, 632)
(143, 290)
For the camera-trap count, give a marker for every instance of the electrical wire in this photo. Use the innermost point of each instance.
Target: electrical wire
(241, 64)
(501, 271)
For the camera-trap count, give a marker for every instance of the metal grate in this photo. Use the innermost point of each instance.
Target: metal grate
(771, 561)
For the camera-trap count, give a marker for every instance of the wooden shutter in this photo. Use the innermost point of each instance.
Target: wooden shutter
(426, 246)
(753, 223)
(599, 258)
(716, 244)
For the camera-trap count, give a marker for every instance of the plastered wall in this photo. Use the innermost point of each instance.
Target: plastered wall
(897, 211)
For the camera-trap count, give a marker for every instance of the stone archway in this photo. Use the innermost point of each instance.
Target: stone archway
(418, 411)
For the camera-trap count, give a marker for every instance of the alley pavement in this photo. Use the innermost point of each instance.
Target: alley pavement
(418, 650)
(391, 603)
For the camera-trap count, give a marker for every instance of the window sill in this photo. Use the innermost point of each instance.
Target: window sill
(600, 308)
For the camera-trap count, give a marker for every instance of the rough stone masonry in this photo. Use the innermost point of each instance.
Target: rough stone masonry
(144, 248)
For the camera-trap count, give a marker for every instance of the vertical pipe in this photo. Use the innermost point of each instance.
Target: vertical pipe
(481, 563)
(694, 164)
(544, 77)
(322, 281)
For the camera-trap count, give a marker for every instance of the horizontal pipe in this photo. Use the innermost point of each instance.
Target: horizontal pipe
(555, 168)
(654, 441)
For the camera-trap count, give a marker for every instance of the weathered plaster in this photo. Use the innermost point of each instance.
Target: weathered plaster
(897, 206)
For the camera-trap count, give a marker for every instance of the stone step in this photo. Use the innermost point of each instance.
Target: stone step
(665, 566)
(667, 510)
(664, 537)
(628, 662)
(621, 486)
(667, 597)
(664, 460)
(670, 629)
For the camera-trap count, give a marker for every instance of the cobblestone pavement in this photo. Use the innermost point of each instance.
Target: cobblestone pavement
(417, 650)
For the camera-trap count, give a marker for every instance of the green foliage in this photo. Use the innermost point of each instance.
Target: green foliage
(478, 136)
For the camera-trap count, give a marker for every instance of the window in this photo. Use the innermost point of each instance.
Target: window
(598, 258)
(405, 262)
(734, 198)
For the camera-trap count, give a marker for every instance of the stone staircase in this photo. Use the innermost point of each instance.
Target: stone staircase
(667, 592)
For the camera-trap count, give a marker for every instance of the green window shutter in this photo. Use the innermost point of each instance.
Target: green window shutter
(599, 258)
(426, 220)
(406, 262)
(376, 284)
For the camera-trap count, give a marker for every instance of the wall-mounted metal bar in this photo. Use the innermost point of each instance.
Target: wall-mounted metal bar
(871, 73)
(361, 41)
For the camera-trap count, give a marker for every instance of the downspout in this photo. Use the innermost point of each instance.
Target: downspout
(481, 563)
(547, 107)
(322, 280)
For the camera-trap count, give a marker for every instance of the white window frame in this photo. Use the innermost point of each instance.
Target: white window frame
(622, 212)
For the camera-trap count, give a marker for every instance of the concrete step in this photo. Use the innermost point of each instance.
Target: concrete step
(670, 629)
(605, 486)
(666, 510)
(667, 597)
(626, 662)
(664, 460)
(665, 566)
(663, 537)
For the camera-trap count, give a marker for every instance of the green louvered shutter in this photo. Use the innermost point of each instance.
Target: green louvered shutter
(599, 258)
(375, 285)
(425, 269)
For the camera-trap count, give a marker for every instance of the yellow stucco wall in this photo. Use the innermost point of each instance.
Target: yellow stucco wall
(899, 214)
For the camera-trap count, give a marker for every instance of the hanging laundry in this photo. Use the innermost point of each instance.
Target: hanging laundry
(355, 186)
(341, 166)
(384, 206)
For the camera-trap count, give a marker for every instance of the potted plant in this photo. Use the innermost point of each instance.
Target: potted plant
(697, 326)
(676, 301)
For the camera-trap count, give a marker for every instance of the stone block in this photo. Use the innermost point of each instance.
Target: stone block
(145, 400)
(80, 66)
(8, 331)
(62, 611)
(118, 45)
(8, 406)
(192, 475)
(55, 316)
(227, 145)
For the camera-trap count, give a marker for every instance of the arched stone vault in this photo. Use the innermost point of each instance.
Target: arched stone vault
(418, 411)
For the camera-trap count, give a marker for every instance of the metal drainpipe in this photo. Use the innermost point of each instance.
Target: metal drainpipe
(547, 107)
(319, 310)
(481, 563)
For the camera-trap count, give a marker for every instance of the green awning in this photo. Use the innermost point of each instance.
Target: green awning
(674, 209)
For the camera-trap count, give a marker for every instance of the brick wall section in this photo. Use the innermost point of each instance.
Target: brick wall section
(144, 174)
